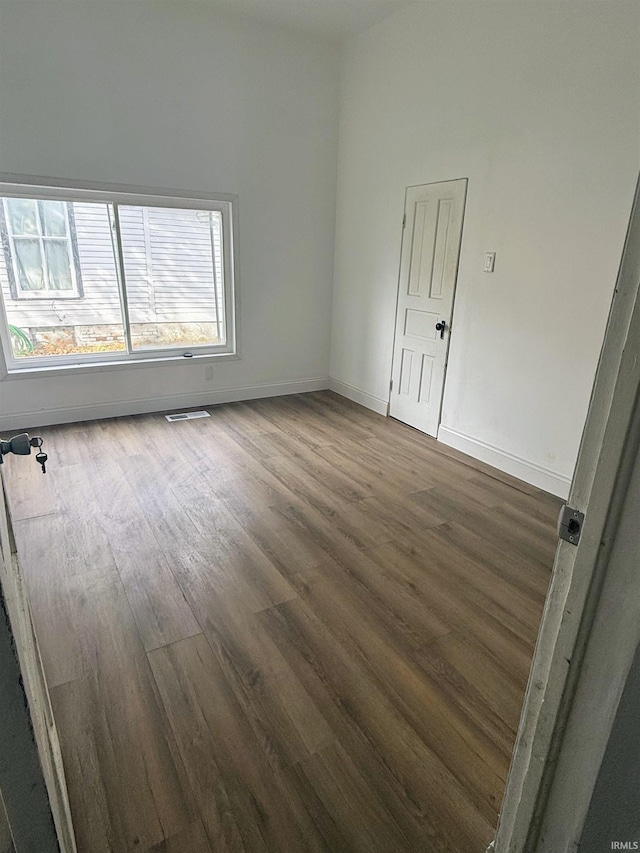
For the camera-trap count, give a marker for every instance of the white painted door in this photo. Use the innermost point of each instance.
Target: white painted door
(428, 270)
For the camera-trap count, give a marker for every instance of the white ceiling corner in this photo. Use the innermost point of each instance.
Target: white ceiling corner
(338, 19)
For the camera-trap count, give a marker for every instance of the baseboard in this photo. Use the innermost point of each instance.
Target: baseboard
(114, 409)
(536, 475)
(376, 404)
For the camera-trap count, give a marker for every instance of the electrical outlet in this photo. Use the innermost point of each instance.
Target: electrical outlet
(208, 372)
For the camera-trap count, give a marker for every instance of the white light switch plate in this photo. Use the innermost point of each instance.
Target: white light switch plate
(489, 261)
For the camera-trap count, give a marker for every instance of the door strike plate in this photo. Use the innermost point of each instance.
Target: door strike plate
(570, 523)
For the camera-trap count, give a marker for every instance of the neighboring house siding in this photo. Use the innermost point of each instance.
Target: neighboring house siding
(182, 285)
(164, 282)
(136, 265)
(101, 302)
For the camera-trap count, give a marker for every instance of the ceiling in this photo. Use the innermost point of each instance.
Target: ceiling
(339, 19)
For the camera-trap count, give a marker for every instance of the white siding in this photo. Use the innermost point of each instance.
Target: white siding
(174, 265)
(137, 274)
(100, 302)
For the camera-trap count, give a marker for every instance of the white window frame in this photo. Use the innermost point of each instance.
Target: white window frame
(47, 291)
(17, 186)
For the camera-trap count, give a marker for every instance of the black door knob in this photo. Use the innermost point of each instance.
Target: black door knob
(441, 326)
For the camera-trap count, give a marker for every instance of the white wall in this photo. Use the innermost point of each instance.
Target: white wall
(174, 95)
(538, 104)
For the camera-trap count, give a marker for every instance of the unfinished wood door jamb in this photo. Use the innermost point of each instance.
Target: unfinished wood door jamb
(32, 776)
(21, 780)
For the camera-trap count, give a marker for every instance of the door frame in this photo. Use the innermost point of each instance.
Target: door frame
(455, 289)
(582, 644)
(32, 778)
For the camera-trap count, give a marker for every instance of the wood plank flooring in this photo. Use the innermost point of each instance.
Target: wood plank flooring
(294, 626)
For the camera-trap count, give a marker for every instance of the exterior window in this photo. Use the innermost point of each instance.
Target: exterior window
(92, 276)
(40, 249)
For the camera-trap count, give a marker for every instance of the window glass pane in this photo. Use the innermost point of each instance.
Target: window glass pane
(58, 266)
(54, 218)
(174, 276)
(29, 264)
(23, 217)
(71, 318)
(67, 274)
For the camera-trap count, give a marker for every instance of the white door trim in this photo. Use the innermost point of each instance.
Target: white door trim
(581, 635)
(33, 786)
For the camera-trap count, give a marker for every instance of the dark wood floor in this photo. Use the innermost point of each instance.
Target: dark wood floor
(294, 626)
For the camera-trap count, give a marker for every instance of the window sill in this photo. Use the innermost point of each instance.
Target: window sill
(109, 366)
(47, 296)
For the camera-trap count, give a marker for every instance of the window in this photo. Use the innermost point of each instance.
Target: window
(90, 276)
(40, 248)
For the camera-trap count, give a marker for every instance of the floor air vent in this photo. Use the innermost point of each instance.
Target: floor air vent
(187, 416)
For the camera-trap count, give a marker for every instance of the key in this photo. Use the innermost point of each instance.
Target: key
(41, 458)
